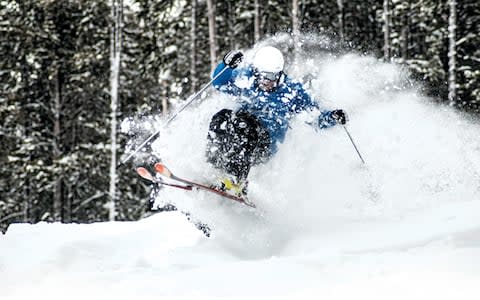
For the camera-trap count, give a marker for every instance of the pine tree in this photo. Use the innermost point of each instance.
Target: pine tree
(452, 53)
(423, 47)
(468, 55)
(28, 53)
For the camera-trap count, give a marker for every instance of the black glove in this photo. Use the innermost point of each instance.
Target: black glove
(233, 58)
(340, 116)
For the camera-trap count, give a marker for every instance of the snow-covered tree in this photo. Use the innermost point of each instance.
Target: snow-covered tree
(212, 33)
(386, 30)
(452, 53)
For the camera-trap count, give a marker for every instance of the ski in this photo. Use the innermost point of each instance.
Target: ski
(164, 171)
(145, 174)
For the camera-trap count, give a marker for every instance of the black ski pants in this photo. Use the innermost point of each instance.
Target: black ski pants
(236, 141)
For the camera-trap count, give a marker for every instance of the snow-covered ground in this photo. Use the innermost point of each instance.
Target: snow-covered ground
(405, 226)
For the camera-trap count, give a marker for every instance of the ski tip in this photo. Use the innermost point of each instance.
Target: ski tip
(162, 169)
(144, 173)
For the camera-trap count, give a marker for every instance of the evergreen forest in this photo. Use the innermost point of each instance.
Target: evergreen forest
(72, 70)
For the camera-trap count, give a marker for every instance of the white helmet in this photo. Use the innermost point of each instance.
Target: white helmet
(268, 59)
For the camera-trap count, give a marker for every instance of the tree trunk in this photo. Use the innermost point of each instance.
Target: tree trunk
(165, 106)
(57, 192)
(341, 20)
(256, 21)
(25, 128)
(67, 205)
(452, 53)
(230, 25)
(193, 50)
(405, 32)
(295, 19)
(212, 34)
(386, 30)
(295, 30)
(115, 51)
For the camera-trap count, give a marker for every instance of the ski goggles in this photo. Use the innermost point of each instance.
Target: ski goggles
(272, 76)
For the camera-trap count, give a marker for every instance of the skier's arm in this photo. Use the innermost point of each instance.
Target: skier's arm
(224, 78)
(225, 82)
(327, 118)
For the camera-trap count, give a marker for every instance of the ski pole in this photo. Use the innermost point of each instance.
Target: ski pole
(188, 102)
(353, 143)
(194, 96)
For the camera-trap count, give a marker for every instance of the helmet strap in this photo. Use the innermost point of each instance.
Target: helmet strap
(281, 78)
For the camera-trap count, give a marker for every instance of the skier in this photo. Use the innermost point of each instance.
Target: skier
(268, 100)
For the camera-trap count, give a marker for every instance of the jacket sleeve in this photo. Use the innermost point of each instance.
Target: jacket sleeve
(225, 82)
(325, 119)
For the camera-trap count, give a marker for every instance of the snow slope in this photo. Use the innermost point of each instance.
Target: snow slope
(405, 226)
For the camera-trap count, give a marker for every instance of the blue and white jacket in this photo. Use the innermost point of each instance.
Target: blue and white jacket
(272, 109)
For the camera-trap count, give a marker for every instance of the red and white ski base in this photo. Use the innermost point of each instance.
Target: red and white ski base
(145, 174)
(164, 171)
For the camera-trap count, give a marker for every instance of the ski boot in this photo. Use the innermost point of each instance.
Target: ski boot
(233, 186)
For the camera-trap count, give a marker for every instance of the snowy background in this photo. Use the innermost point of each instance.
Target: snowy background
(404, 226)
